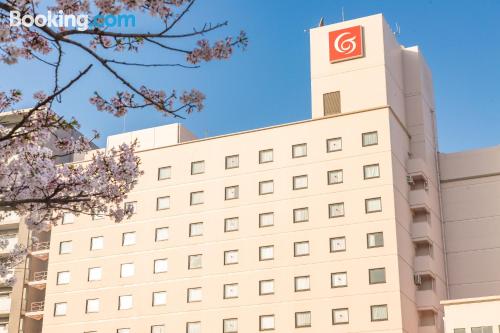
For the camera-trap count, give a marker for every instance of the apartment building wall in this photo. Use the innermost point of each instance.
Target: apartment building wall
(474, 315)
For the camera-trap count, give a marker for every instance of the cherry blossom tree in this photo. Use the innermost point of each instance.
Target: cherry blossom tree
(37, 180)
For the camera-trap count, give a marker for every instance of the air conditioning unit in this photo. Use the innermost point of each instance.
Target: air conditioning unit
(417, 278)
(409, 180)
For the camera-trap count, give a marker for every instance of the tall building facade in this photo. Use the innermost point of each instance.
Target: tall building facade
(332, 223)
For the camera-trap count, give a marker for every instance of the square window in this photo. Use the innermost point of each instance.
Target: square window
(231, 290)
(197, 198)
(423, 248)
(336, 209)
(339, 279)
(128, 238)
(231, 224)
(197, 167)
(334, 144)
(195, 261)
(164, 173)
(370, 139)
(300, 215)
(63, 277)
(196, 229)
(375, 239)
(266, 287)
(230, 325)
(127, 270)
(194, 295)
(266, 220)
(266, 187)
(266, 252)
(459, 330)
(379, 312)
(266, 322)
(97, 243)
(163, 203)
(371, 171)
(303, 319)
(266, 156)
(376, 275)
(340, 316)
(65, 247)
(159, 298)
(161, 234)
(68, 218)
(232, 161)
(232, 192)
(299, 182)
(160, 266)
(123, 330)
(193, 327)
(60, 309)
(125, 302)
(302, 283)
(337, 244)
(373, 205)
(130, 207)
(95, 274)
(301, 249)
(93, 305)
(230, 257)
(299, 150)
(335, 177)
(158, 329)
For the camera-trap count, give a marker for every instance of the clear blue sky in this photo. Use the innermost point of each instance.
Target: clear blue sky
(269, 83)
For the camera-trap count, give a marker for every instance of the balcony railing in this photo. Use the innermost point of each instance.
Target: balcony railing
(40, 246)
(37, 306)
(40, 276)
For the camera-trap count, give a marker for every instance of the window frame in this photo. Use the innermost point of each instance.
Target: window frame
(156, 234)
(370, 270)
(59, 274)
(191, 234)
(191, 196)
(339, 237)
(87, 305)
(266, 247)
(343, 322)
(265, 182)
(332, 284)
(191, 256)
(374, 234)
(227, 219)
(227, 158)
(61, 246)
(56, 305)
(379, 305)
(300, 313)
(224, 325)
(295, 248)
(158, 260)
(339, 138)
(89, 274)
(267, 329)
(92, 243)
(120, 302)
(295, 178)
(296, 280)
(261, 161)
(129, 233)
(224, 291)
(126, 264)
(363, 139)
(188, 295)
(237, 192)
(341, 171)
(371, 165)
(261, 282)
(330, 210)
(158, 199)
(373, 211)
(169, 167)
(295, 210)
(193, 163)
(226, 263)
(261, 215)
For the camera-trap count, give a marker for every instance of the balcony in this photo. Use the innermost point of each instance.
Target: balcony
(9, 220)
(427, 299)
(420, 230)
(40, 250)
(35, 310)
(39, 280)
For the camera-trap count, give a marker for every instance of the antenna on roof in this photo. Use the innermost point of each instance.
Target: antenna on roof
(321, 22)
(398, 30)
(343, 18)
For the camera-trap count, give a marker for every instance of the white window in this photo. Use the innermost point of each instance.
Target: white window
(379, 312)
(65, 247)
(301, 248)
(370, 139)
(125, 302)
(266, 220)
(335, 177)
(163, 203)
(481, 329)
(337, 244)
(303, 319)
(159, 298)
(336, 209)
(266, 287)
(302, 283)
(299, 182)
(131, 207)
(128, 238)
(299, 150)
(232, 192)
(197, 198)
(340, 316)
(375, 239)
(371, 171)
(194, 295)
(164, 173)
(160, 265)
(231, 257)
(334, 144)
(95, 274)
(195, 261)
(301, 215)
(266, 252)
(232, 161)
(376, 275)
(63, 277)
(195, 229)
(68, 218)
(266, 187)
(193, 327)
(265, 156)
(97, 216)
(161, 234)
(158, 329)
(97, 243)
(231, 290)
(373, 205)
(127, 270)
(197, 167)
(231, 224)
(266, 322)
(123, 330)
(230, 325)
(339, 279)
(93, 305)
(60, 309)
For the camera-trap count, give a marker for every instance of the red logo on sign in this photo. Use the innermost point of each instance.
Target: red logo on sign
(346, 44)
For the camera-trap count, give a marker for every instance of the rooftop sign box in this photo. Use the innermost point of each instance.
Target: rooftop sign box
(346, 44)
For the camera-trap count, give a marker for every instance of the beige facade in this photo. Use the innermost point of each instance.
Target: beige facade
(472, 315)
